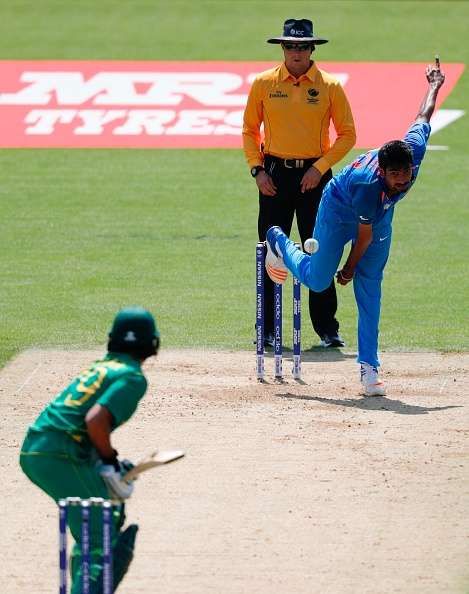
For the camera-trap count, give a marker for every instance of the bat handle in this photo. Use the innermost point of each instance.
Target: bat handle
(437, 62)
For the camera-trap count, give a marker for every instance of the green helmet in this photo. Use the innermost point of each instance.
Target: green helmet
(134, 331)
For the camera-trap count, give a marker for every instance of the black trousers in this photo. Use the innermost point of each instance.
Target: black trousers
(280, 210)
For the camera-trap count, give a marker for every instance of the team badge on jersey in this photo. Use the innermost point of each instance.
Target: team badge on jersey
(313, 93)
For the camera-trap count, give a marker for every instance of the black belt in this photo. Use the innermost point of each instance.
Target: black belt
(292, 163)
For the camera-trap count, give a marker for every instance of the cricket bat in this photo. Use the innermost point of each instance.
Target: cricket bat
(156, 458)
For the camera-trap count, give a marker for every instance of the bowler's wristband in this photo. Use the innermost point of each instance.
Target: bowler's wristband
(345, 278)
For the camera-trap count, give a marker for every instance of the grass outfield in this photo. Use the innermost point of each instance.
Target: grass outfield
(87, 231)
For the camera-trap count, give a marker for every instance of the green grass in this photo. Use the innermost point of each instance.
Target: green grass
(227, 30)
(87, 231)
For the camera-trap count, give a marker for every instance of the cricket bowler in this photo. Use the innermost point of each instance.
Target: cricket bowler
(357, 205)
(67, 451)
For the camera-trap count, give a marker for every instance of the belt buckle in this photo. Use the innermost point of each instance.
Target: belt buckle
(299, 163)
(286, 165)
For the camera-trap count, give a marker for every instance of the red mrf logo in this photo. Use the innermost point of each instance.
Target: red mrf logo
(165, 104)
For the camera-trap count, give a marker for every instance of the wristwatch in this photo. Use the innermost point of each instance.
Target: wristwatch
(255, 170)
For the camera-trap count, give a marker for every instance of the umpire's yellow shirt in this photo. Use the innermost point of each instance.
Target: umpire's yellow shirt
(296, 114)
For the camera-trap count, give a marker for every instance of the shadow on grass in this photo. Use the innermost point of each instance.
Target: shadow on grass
(373, 403)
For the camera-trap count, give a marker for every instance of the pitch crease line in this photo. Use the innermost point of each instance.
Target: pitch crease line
(29, 378)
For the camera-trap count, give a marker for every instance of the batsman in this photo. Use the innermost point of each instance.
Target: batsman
(357, 205)
(67, 451)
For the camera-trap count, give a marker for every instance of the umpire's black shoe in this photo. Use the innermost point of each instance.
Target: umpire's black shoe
(269, 339)
(332, 341)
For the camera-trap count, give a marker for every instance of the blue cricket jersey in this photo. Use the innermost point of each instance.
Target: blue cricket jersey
(358, 192)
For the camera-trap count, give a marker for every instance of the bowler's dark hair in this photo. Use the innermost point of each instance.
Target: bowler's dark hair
(395, 154)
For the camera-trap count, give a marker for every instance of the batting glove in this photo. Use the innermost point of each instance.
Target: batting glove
(117, 487)
(111, 471)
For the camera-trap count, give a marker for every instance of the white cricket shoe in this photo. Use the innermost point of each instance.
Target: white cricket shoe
(275, 266)
(372, 386)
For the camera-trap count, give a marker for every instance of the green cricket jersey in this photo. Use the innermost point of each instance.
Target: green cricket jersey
(116, 382)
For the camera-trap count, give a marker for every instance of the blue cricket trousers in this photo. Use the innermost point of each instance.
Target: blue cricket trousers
(318, 270)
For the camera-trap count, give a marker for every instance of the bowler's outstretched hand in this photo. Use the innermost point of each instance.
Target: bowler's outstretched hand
(435, 76)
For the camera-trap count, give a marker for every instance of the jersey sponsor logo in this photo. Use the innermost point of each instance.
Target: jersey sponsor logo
(371, 162)
(385, 237)
(278, 94)
(185, 104)
(364, 219)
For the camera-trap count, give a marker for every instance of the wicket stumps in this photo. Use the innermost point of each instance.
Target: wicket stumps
(85, 505)
(296, 328)
(278, 319)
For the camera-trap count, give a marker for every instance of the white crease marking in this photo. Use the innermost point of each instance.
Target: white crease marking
(443, 385)
(29, 378)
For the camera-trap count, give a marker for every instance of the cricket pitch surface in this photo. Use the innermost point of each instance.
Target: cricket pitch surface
(293, 488)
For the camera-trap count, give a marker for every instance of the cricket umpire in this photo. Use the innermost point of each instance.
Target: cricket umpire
(296, 102)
